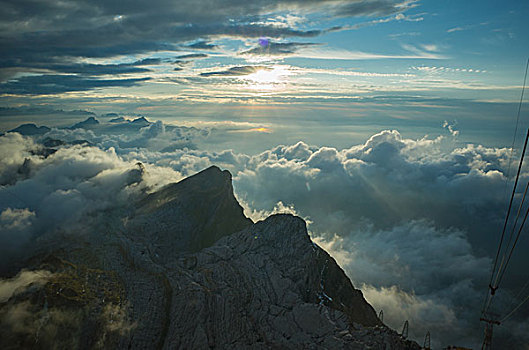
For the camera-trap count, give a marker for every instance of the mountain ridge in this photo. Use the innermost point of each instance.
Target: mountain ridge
(187, 269)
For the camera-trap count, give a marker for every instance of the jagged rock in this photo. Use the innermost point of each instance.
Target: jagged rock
(188, 270)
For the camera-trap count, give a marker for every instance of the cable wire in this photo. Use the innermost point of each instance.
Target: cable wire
(515, 309)
(509, 166)
(511, 235)
(509, 210)
(501, 271)
(513, 246)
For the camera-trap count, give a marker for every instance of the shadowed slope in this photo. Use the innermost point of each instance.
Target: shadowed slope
(191, 214)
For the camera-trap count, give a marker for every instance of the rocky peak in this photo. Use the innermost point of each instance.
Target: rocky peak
(189, 271)
(191, 214)
(317, 277)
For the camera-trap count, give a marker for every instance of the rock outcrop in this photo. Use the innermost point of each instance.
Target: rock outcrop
(187, 270)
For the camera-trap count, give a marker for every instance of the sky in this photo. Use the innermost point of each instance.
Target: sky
(276, 65)
(386, 124)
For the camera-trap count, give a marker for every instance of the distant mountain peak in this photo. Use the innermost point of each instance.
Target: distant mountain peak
(117, 120)
(30, 129)
(140, 120)
(87, 123)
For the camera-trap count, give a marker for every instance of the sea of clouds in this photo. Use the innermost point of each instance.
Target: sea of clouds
(413, 222)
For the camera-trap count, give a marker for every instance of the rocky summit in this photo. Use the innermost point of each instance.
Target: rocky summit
(183, 268)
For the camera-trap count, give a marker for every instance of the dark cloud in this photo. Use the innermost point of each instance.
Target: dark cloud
(273, 48)
(46, 35)
(202, 45)
(92, 69)
(32, 110)
(31, 48)
(191, 56)
(139, 14)
(54, 84)
(98, 69)
(147, 62)
(186, 60)
(235, 71)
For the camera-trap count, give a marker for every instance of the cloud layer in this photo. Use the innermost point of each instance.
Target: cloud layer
(65, 191)
(412, 222)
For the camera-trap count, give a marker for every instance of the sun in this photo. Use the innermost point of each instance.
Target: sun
(268, 78)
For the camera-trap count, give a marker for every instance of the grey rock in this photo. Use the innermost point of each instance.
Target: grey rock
(189, 271)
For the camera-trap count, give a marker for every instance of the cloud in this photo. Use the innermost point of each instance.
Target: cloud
(451, 127)
(202, 45)
(394, 212)
(15, 149)
(431, 47)
(374, 8)
(438, 70)
(15, 230)
(466, 27)
(12, 286)
(455, 29)
(235, 71)
(17, 219)
(192, 55)
(34, 42)
(157, 27)
(277, 49)
(54, 84)
(397, 17)
(101, 69)
(427, 51)
(401, 178)
(423, 274)
(341, 54)
(40, 110)
(68, 190)
(412, 221)
(259, 129)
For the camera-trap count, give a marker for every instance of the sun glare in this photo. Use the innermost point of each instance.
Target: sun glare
(272, 78)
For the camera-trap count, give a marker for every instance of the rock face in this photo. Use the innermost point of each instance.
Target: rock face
(187, 270)
(189, 215)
